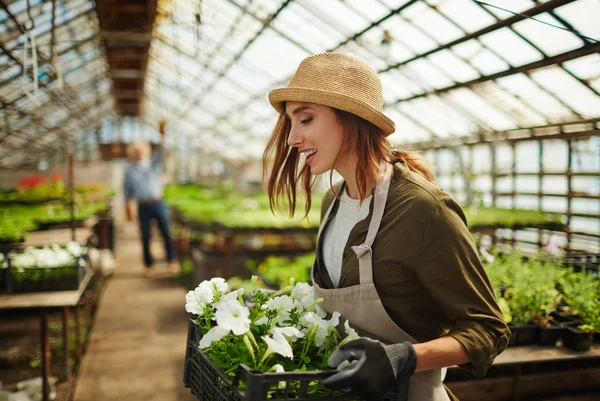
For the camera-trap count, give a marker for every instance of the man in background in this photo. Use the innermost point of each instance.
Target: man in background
(143, 185)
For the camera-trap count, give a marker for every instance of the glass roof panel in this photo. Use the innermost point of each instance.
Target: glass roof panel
(275, 55)
(480, 58)
(479, 107)
(517, 109)
(549, 39)
(444, 31)
(514, 6)
(398, 86)
(406, 33)
(511, 47)
(431, 119)
(526, 89)
(456, 68)
(342, 18)
(425, 75)
(307, 29)
(372, 10)
(579, 13)
(569, 90)
(466, 14)
(406, 129)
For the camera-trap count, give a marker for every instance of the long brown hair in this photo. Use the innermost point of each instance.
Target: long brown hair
(361, 138)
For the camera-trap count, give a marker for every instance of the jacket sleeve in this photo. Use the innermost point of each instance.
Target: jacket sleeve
(452, 272)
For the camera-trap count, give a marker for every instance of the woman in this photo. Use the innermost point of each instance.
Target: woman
(394, 254)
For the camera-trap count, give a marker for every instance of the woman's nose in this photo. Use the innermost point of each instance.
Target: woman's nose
(294, 139)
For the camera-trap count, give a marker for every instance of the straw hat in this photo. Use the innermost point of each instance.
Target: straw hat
(340, 81)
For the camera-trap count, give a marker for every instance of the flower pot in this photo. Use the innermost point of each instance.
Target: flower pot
(549, 335)
(577, 340)
(568, 320)
(525, 334)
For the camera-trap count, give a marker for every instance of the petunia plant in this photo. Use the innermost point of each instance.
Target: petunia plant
(282, 331)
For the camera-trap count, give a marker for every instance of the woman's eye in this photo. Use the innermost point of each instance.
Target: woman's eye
(306, 121)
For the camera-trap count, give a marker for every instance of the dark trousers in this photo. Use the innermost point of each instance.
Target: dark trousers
(158, 211)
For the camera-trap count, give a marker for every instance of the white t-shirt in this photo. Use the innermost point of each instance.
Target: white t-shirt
(348, 214)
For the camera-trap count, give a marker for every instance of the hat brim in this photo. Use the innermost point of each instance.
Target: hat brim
(331, 99)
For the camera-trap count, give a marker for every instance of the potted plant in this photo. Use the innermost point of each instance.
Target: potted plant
(582, 294)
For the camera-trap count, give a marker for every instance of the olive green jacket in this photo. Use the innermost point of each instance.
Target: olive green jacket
(426, 269)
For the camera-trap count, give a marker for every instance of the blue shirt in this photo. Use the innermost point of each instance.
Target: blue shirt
(142, 180)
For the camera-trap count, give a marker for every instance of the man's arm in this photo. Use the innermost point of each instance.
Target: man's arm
(158, 157)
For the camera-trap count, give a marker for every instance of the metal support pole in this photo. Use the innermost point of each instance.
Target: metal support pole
(493, 172)
(45, 355)
(67, 343)
(72, 192)
(569, 190)
(78, 333)
(540, 186)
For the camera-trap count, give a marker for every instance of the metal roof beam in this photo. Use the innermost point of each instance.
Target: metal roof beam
(532, 12)
(545, 62)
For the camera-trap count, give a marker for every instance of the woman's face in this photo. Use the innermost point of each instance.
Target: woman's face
(317, 134)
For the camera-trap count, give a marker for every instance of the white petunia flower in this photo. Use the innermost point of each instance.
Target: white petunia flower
(277, 368)
(311, 320)
(219, 283)
(63, 258)
(261, 321)
(232, 315)
(196, 300)
(283, 305)
(75, 249)
(303, 295)
(232, 296)
(279, 345)
(290, 333)
(24, 260)
(214, 334)
(351, 334)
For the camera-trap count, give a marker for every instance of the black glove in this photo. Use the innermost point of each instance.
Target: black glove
(373, 369)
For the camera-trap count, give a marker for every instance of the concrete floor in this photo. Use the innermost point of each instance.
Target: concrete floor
(137, 345)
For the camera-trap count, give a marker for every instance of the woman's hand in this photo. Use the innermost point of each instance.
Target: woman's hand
(369, 369)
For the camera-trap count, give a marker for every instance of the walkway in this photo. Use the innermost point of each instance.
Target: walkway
(137, 345)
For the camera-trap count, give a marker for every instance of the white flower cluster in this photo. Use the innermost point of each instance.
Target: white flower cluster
(47, 257)
(232, 316)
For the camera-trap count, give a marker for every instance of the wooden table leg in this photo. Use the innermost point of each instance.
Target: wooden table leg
(67, 343)
(78, 333)
(516, 383)
(45, 355)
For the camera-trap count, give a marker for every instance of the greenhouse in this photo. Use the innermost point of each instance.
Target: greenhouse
(299, 200)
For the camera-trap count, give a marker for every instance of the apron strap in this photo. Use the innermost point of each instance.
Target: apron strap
(364, 251)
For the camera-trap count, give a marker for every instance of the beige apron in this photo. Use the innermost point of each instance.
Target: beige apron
(361, 305)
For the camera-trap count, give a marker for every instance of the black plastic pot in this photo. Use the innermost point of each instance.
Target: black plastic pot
(524, 334)
(567, 320)
(577, 340)
(549, 336)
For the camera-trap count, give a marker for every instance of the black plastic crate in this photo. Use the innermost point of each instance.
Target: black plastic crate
(209, 383)
(46, 279)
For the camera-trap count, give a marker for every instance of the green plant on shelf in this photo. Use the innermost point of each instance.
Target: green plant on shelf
(278, 270)
(582, 295)
(207, 206)
(492, 217)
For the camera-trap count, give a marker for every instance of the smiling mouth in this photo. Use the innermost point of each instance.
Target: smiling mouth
(310, 155)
